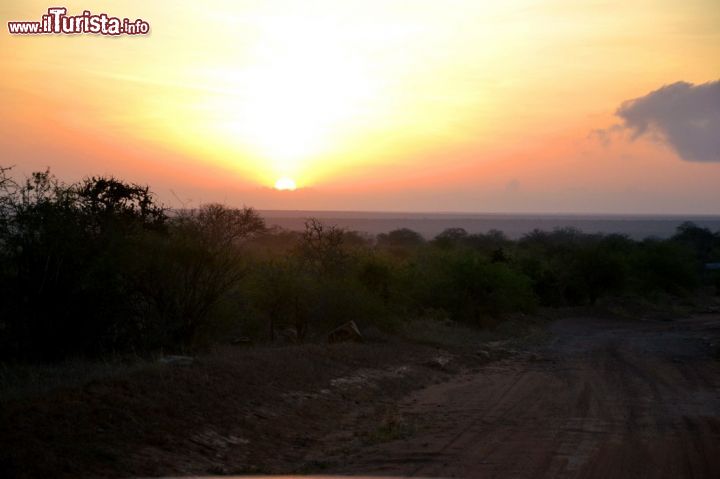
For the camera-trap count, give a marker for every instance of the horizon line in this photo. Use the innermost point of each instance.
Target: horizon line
(488, 213)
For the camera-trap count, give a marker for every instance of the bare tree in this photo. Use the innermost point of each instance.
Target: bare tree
(322, 246)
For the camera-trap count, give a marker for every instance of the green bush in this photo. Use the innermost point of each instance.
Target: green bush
(666, 266)
(99, 266)
(468, 286)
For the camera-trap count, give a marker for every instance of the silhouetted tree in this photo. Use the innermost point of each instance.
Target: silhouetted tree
(450, 237)
(183, 275)
(321, 247)
(400, 242)
(704, 243)
(64, 287)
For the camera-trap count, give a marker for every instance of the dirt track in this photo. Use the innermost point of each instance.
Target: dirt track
(605, 399)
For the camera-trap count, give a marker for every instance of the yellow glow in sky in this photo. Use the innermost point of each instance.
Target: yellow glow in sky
(291, 103)
(330, 92)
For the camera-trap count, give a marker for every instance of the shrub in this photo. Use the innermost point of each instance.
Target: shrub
(666, 266)
(183, 275)
(400, 237)
(63, 289)
(100, 266)
(468, 286)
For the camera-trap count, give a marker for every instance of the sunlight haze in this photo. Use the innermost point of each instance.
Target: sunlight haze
(370, 105)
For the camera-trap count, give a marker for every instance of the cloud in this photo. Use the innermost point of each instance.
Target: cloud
(605, 135)
(684, 116)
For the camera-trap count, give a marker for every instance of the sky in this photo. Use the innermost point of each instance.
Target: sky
(378, 105)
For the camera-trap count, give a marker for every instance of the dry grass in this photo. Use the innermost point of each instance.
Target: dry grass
(235, 410)
(27, 381)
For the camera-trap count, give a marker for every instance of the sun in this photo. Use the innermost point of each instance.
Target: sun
(294, 97)
(285, 184)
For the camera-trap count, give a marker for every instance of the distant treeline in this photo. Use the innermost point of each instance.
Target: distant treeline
(100, 267)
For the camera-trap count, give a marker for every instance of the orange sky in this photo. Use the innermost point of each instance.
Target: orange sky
(369, 105)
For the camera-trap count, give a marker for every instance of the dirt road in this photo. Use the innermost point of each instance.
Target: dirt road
(604, 399)
(601, 398)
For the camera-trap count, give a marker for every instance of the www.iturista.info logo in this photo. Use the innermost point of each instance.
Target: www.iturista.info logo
(57, 21)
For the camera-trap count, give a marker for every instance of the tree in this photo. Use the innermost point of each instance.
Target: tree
(183, 275)
(321, 247)
(109, 201)
(63, 284)
(450, 237)
(400, 238)
(701, 241)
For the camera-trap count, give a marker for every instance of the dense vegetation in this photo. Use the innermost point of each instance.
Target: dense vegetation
(99, 266)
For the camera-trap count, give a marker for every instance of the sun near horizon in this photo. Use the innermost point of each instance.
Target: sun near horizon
(285, 184)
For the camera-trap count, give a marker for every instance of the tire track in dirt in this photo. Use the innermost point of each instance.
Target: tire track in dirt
(609, 398)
